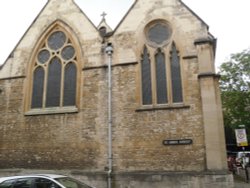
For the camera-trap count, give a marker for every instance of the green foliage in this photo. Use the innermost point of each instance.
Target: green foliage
(235, 74)
(235, 87)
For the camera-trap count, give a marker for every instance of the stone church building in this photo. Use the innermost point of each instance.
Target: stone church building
(134, 107)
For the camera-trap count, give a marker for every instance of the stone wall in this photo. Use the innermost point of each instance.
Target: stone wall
(79, 140)
(76, 143)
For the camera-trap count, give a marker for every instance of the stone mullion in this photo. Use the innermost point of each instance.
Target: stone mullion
(140, 74)
(45, 84)
(151, 52)
(62, 83)
(169, 77)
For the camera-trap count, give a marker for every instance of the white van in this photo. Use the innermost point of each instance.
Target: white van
(242, 158)
(242, 154)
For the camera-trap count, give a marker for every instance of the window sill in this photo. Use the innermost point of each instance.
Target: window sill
(53, 110)
(162, 107)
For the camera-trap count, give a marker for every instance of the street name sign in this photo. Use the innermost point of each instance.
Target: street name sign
(178, 142)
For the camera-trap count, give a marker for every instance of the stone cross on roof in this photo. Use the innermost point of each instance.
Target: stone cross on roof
(103, 15)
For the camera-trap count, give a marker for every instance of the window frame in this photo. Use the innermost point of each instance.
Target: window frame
(27, 179)
(167, 51)
(72, 39)
(10, 183)
(45, 181)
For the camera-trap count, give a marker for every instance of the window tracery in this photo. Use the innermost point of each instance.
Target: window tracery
(54, 74)
(161, 81)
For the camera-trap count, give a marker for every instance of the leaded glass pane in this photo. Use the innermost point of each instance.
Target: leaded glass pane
(70, 85)
(68, 53)
(37, 92)
(146, 78)
(54, 83)
(176, 76)
(56, 40)
(161, 81)
(159, 33)
(43, 56)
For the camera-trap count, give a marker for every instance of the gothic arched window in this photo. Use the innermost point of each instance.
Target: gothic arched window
(54, 75)
(161, 78)
(176, 75)
(146, 78)
(161, 81)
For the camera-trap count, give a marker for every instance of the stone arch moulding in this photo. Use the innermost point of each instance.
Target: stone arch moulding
(42, 42)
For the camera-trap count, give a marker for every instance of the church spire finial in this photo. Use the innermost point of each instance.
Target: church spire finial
(103, 27)
(103, 15)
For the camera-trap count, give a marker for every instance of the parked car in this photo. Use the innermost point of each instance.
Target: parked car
(41, 181)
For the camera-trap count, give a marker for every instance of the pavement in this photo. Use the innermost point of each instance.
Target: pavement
(240, 182)
(241, 185)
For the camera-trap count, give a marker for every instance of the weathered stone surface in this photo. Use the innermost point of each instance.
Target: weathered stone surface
(62, 142)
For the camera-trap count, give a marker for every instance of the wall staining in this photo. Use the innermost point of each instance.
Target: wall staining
(78, 140)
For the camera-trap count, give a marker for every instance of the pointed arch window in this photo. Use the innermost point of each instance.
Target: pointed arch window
(176, 75)
(161, 78)
(69, 97)
(146, 78)
(38, 86)
(54, 75)
(53, 90)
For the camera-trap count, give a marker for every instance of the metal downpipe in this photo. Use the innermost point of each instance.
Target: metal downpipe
(109, 52)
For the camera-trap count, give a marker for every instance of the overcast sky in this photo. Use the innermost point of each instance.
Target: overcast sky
(228, 20)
